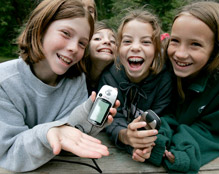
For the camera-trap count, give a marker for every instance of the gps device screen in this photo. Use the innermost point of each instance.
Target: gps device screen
(100, 110)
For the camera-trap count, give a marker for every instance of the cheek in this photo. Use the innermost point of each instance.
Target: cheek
(152, 53)
(93, 46)
(202, 62)
(54, 45)
(91, 51)
(122, 51)
(121, 56)
(153, 49)
(82, 53)
(169, 51)
(149, 52)
(114, 47)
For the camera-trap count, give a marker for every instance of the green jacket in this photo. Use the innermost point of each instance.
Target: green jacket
(192, 132)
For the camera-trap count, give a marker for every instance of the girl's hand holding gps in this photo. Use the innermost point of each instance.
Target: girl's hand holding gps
(138, 138)
(92, 122)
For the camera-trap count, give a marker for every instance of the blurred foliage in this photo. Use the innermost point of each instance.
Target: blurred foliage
(115, 10)
(14, 13)
(12, 16)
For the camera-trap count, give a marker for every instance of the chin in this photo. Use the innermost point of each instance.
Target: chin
(181, 74)
(60, 73)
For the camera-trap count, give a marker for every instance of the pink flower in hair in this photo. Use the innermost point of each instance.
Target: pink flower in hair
(164, 35)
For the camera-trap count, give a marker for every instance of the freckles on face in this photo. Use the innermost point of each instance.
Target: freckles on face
(64, 43)
(191, 45)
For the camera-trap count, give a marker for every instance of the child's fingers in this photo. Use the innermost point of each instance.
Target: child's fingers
(137, 157)
(117, 104)
(110, 119)
(147, 133)
(170, 156)
(147, 150)
(113, 111)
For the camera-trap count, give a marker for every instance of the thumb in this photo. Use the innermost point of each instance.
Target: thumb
(136, 119)
(93, 96)
(56, 146)
(136, 124)
(54, 143)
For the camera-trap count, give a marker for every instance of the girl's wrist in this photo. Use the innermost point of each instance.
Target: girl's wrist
(123, 136)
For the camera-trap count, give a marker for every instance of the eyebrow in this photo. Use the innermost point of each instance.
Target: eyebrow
(73, 30)
(129, 36)
(90, 6)
(195, 39)
(100, 33)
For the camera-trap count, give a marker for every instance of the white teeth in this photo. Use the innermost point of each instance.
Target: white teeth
(183, 64)
(68, 61)
(105, 50)
(135, 59)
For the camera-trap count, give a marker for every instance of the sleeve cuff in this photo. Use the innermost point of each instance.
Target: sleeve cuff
(158, 150)
(182, 162)
(43, 130)
(119, 144)
(116, 135)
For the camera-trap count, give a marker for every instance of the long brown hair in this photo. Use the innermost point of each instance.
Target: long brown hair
(207, 12)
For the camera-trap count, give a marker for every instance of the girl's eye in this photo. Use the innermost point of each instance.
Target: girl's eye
(173, 40)
(113, 42)
(91, 10)
(66, 33)
(83, 45)
(196, 44)
(126, 41)
(97, 38)
(146, 42)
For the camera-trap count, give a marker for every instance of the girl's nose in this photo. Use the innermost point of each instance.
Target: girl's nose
(106, 41)
(73, 46)
(181, 52)
(135, 47)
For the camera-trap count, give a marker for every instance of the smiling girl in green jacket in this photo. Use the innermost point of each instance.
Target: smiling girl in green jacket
(189, 136)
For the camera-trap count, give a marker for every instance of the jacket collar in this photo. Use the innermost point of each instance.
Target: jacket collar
(200, 83)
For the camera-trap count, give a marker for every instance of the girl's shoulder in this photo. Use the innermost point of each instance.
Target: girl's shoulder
(113, 76)
(164, 75)
(8, 69)
(213, 80)
(8, 64)
(112, 70)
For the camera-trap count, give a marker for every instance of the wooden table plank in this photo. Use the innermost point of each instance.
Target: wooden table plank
(118, 162)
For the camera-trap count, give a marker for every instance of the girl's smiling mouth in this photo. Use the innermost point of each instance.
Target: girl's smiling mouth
(182, 64)
(64, 59)
(105, 50)
(135, 61)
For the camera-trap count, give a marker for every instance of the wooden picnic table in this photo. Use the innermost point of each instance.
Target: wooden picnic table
(117, 162)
